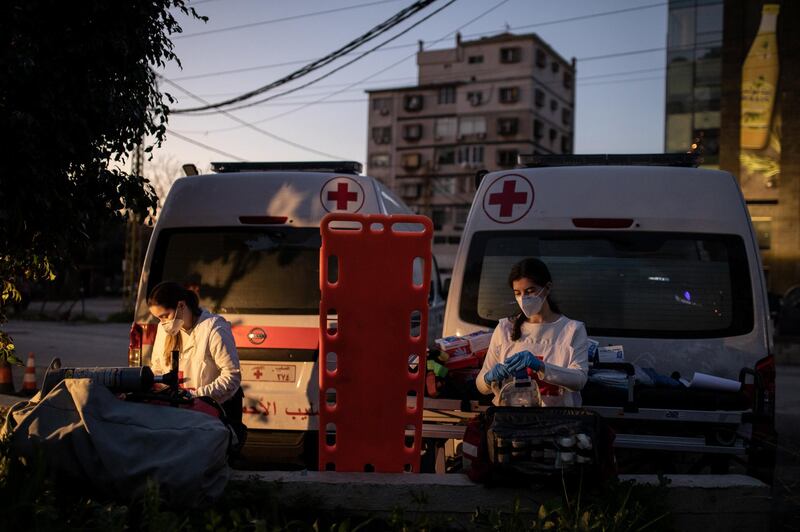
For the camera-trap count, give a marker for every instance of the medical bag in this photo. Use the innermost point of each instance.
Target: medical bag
(519, 443)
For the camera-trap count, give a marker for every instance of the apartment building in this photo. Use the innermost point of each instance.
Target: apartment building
(476, 106)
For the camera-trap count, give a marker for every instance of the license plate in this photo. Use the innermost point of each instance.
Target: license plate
(271, 373)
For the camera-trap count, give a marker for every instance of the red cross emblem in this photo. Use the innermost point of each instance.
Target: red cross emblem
(258, 373)
(508, 198)
(342, 194)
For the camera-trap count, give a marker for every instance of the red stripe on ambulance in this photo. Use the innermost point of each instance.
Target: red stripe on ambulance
(262, 337)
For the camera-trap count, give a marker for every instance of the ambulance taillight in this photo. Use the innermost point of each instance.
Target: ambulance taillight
(135, 345)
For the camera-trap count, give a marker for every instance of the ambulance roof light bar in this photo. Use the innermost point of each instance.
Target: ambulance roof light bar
(684, 160)
(336, 167)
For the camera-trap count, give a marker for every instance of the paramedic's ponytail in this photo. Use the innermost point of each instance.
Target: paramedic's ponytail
(536, 271)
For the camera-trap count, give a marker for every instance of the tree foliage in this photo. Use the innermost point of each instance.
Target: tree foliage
(78, 92)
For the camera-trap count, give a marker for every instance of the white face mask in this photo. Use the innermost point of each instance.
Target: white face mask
(531, 304)
(173, 326)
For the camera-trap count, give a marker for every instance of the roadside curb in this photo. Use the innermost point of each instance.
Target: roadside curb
(698, 502)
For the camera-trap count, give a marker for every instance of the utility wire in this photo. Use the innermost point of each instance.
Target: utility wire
(252, 126)
(362, 80)
(337, 69)
(374, 32)
(414, 78)
(303, 105)
(410, 45)
(276, 20)
(206, 146)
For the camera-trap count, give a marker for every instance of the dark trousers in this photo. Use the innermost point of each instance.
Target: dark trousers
(233, 411)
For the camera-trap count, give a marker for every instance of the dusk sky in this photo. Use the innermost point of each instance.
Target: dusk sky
(619, 100)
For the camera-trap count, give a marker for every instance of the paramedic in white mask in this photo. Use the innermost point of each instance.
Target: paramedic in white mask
(209, 362)
(540, 338)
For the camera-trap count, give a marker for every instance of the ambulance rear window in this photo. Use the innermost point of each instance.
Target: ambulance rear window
(247, 271)
(645, 285)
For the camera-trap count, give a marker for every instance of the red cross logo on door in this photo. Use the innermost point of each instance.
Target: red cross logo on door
(508, 198)
(342, 194)
(257, 373)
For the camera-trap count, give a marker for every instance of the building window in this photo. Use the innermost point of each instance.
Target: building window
(410, 191)
(553, 134)
(382, 105)
(566, 117)
(460, 217)
(541, 58)
(510, 55)
(507, 126)
(439, 218)
(507, 157)
(379, 160)
(445, 156)
(555, 67)
(444, 185)
(567, 80)
(566, 145)
(472, 125)
(475, 59)
(447, 95)
(445, 128)
(453, 239)
(475, 97)
(413, 102)
(382, 135)
(538, 129)
(509, 94)
(412, 132)
(469, 155)
(554, 105)
(412, 161)
(538, 97)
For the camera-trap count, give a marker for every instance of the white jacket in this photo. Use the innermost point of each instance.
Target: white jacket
(209, 362)
(562, 345)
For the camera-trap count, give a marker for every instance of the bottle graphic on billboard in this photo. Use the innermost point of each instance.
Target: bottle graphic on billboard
(759, 79)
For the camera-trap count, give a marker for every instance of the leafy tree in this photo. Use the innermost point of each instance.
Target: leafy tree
(77, 93)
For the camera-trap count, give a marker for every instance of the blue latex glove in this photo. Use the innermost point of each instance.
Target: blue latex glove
(522, 360)
(498, 373)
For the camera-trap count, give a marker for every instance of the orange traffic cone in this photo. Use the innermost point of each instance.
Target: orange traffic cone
(6, 382)
(29, 380)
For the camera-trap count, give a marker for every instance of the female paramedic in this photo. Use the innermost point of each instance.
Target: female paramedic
(208, 362)
(540, 338)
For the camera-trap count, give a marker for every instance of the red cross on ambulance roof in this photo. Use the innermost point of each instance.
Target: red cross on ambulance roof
(508, 198)
(342, 194)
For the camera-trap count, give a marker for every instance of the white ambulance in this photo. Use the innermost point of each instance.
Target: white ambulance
(247, 240)
(650, 253)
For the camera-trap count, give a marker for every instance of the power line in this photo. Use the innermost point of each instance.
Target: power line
(373, 33)
(284, 19)
(303, 105)
(410, 45)
(206, 146)
(413, 78)
(472, 20)
(339, 68)
(252, 126)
